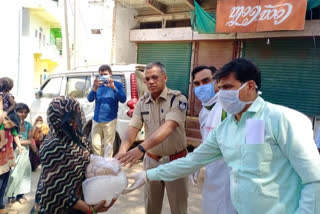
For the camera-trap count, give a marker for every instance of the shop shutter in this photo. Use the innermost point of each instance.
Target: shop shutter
(216, 53)
(174, 56)
(290, 70)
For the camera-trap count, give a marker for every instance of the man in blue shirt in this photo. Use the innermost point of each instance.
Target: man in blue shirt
(275, 166)
(107, 94)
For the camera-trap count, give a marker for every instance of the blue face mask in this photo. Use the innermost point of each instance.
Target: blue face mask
(204, 92)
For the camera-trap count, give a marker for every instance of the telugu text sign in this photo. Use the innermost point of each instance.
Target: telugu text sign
(234, 16)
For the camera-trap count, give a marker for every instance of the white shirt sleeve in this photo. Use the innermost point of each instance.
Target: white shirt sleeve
(318, 138)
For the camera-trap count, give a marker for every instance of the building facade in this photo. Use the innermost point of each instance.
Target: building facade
(289, 60)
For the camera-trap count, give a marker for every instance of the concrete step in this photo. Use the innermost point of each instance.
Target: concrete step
(192, 122)
(194, 133)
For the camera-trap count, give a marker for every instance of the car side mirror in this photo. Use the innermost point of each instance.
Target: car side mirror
(38, 94)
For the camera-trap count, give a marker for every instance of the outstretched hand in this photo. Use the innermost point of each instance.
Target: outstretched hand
(194, 177)
(139, 180)
(130, 157)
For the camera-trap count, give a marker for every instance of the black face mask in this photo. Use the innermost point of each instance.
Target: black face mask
(70, 117)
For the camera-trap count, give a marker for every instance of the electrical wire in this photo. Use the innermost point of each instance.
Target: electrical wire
(81, 18)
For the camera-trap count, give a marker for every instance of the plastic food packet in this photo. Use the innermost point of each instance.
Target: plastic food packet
(102, 166)
(105, 180)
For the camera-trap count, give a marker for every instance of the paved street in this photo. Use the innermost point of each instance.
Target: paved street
(129, 204)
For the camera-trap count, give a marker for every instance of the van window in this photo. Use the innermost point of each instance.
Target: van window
(52, 88)
(78, 87)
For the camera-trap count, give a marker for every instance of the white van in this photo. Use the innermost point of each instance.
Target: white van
(78, 84)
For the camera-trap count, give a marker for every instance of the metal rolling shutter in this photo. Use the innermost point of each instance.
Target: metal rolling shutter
(290, 71)
(216, 53)
(174, 56)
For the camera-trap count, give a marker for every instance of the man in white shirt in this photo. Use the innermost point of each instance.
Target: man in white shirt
(318, 139)
(216, 188)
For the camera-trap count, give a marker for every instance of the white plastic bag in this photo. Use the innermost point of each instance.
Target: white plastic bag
(105, 187)
(102, 166)
(105, 180)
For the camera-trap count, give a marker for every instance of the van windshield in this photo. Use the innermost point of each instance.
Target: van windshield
(78, 87)
(52, 88)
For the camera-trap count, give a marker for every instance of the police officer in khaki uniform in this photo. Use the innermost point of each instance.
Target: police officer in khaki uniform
(162, 111)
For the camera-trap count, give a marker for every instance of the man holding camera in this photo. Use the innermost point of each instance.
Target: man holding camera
(107, 94)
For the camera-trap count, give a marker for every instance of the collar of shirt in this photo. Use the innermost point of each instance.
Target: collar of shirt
(256, 106)
(164, 95)
(209, 107)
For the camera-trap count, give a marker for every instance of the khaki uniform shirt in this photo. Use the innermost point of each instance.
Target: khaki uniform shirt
(155, 113)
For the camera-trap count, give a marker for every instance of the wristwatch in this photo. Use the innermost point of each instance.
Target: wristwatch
(141, 148)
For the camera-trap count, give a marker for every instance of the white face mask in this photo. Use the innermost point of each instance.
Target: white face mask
(107, 76)
(230, 101)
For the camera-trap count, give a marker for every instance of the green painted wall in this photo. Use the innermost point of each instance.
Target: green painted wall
(54, 34)
(290, 70)
(175, 57)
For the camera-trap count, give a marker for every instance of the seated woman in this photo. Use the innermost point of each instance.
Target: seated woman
(64, 157)
(40, 130)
